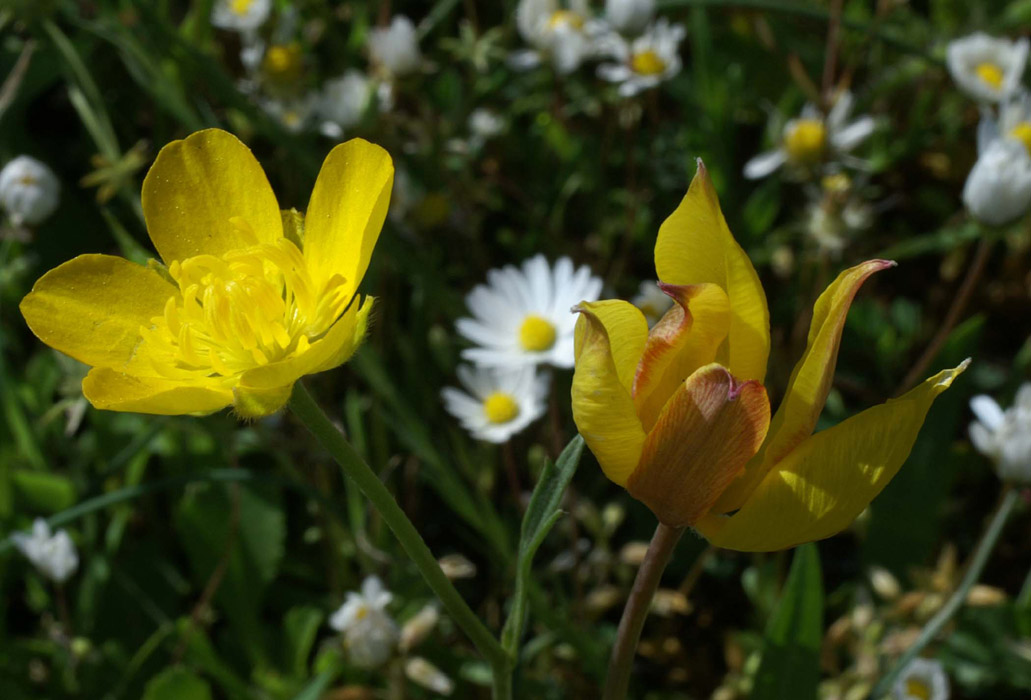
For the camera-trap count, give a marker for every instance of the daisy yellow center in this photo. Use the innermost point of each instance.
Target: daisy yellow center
(837, 183)
(917, 688)
(361, 613)
(647, 63)
(283, 61)
(1022, 132)
(241, 7)
(806, 140)
(26, 180)
(565, 17)
(536, 334)
(990, 73)
(245, 309)
(500, 407)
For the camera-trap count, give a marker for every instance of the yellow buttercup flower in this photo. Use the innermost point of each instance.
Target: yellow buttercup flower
(679, 417)
(249, 299)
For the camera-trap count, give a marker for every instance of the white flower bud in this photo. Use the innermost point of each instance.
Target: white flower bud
(29, 190)
(421, 671)
(396, 48)
(370, 634)
(418, 628)
(54, 555)
(998, 189)
(343, 102)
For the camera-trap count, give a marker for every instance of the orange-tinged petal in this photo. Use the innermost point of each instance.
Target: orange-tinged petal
(608, 340)
(346, 211)
(706, 433)
(685, 339)
(810, 382)
(695, 246)
(111, 390)
(208, 194)
(824, 483)
(92, 307)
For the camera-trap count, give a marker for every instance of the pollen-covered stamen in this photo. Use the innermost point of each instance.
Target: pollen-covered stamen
(243, 310)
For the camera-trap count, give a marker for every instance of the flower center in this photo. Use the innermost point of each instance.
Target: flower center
(243, 310)
(500, 407)
(917, 688)
(838, 183)
(647, 63)
(536, 334)
(241, 7)
(805, 140)
(282, 62)
(1022, 132)
(361, 613)
(567, 18)
(27, 180)
(990, 73)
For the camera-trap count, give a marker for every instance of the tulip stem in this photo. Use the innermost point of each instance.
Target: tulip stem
(984, 548)
(660, 550)
(354, 467)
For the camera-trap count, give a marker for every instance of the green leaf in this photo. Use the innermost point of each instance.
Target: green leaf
(43, 491)
(177, 684)
(301, 626)
(790, 667)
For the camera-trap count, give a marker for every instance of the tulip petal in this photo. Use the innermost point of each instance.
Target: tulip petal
(92, 307)
(820, 487)
(346, 211)
(706, 433)
(695, 246)
(111, 390)
(810, 382)
(208, 195)
(685, 339)
(609, 339)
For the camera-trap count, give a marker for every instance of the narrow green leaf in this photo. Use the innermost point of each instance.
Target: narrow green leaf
(301, 626)
(177, 684)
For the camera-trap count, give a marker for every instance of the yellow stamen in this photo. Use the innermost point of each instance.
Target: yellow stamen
(647, 63)
(536, 334)
(805, 141)
(837, 183)
(361, 613)
(565, 17)
(500, 408)
(990, 73)
(241, 7)
(917, 688)
(1022, 132)
(26, 180)
(282, 62)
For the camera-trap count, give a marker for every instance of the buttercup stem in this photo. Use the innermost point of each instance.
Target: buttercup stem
(952, 605)
(660, 550)
(355, 468)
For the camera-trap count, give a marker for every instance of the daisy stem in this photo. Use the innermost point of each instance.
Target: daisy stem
(982, 552)
(354, 467)
(660, 550)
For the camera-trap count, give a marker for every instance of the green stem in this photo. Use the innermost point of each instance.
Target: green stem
(976, 567)
(636, 611)
(354, 467)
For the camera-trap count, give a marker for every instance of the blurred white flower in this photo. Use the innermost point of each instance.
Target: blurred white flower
(562, 35)
(243, 16)
(809, 140)
(922, 679)
(497, 402)
(987, 68)
(998, 189)
(485, 124)
(370, 634)
(421, 671)
(395, 48)
(645, 62)
(652, 301)
(836, 214)
(53, 554)
(29, 190)
(522, 316)
(343, 102)
(629, 16)
(1005, 436)
(293, 113)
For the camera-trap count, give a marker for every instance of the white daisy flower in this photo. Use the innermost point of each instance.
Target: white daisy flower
(29, 190)
(563, 35)
(987, 68)
(645, 62)
(810, 139)
(370, 634)
(343, 102)
(53, 554)
(485, 124)
(521, 316)
(998, 188)
(923, 679)
(293, 113)
(497, 402)
(652, 301)
(1005, 436)
(244, 16)
(395, 48)
(421, 671)
(629, 16)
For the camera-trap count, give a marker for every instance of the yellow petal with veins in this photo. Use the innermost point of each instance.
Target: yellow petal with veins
(695, 246)
(111, 390)
(820, 487)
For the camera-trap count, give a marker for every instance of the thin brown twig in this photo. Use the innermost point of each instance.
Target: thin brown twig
(831, 55)
(17, 74)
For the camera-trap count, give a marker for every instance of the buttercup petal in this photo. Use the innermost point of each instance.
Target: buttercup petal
(824, 483)
(346, 211)
(695, 246)
(208, 194)
(111, 390)
(706, 433)
(92, 307)
(610, 337)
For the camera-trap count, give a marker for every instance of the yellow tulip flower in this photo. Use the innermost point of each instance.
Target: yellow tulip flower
(250, 298)
(680, 418)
